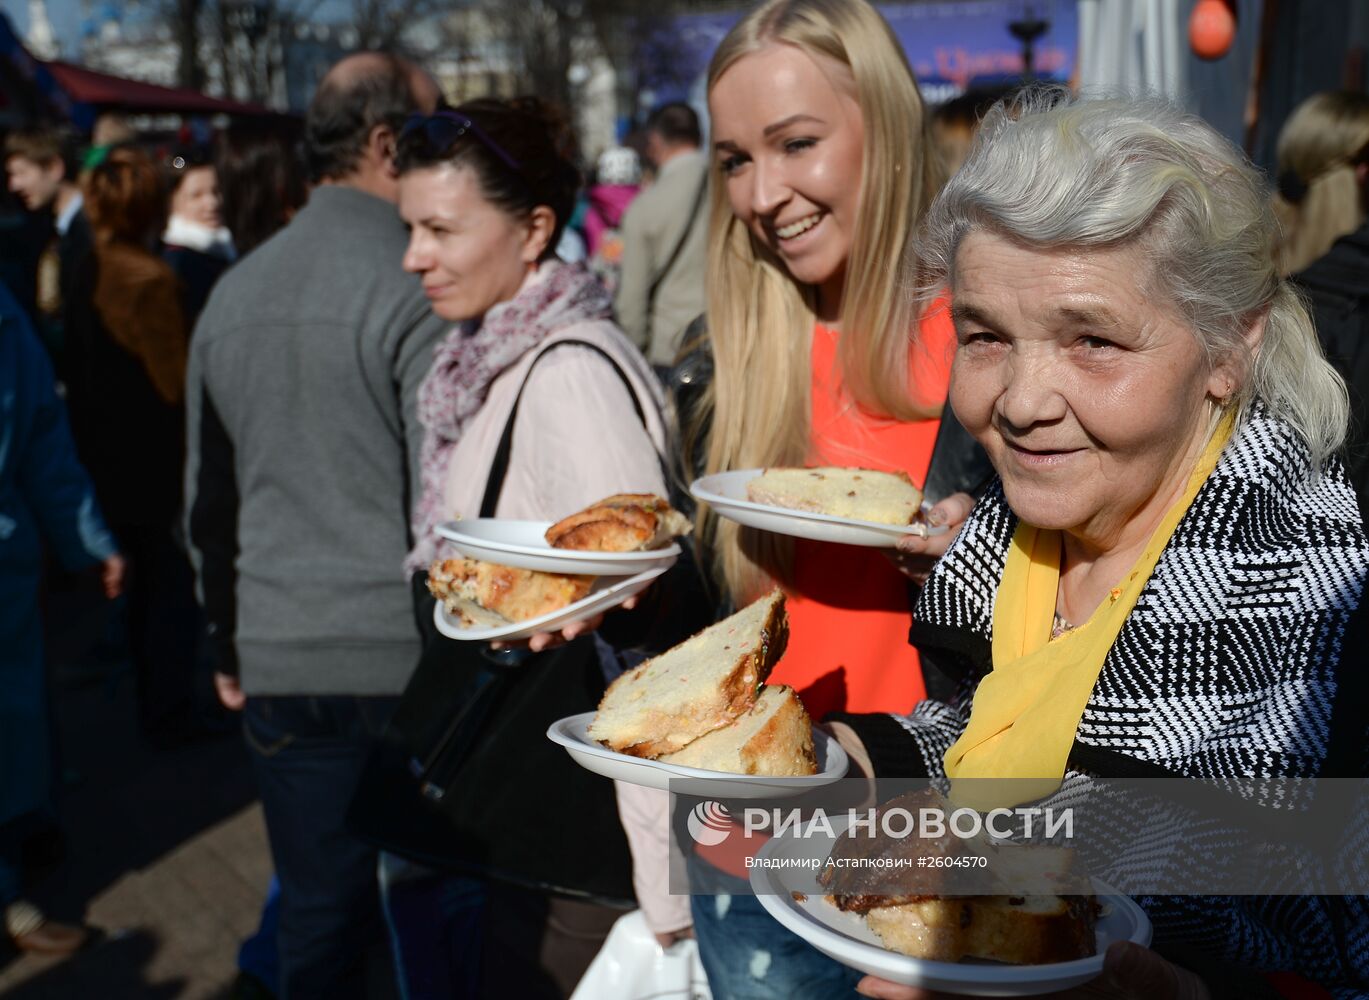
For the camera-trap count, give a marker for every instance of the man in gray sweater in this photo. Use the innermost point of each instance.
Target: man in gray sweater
(302, 463)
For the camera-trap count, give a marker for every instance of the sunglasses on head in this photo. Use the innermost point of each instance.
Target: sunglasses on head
(442, 129)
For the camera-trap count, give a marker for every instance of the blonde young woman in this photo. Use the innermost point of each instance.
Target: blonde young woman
(823, 170)
(1323, 158)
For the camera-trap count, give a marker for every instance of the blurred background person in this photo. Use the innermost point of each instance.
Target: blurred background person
(23, 236)
(41, 165)
(261, 178)
(195, 242)
(955, 123)
(262, 184)
(1337, 288)
(45, 498)
(617, 181)
(126, 348)
(111, 129)
(661, 282)
(1323, 157)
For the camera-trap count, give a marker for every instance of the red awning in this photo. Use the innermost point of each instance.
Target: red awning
(86, 86)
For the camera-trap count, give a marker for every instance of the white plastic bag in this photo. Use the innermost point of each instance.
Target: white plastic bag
(632, 966)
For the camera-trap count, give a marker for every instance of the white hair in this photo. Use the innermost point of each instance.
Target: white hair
(1052, 171)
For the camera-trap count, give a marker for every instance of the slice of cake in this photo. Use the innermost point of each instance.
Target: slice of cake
(487, 594)
(701, 685)
(775, 738)
(858, 494)
(626, 522)
(1022, 930)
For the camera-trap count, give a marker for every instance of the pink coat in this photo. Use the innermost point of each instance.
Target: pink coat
(607, 203)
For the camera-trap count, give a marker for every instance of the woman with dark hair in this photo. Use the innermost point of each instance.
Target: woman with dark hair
(487, 190)
(261, 179)
(127, 351)
(195, 242)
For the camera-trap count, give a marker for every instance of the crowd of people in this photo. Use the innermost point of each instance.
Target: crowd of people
(248, 381)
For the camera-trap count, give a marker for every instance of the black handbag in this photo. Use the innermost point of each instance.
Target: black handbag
(465, 779)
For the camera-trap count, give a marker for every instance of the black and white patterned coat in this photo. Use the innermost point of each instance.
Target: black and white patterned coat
(1243, 658)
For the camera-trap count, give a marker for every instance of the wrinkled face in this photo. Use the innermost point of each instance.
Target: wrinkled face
(35, 184)
(1089, 396)
(789, 140)
(197, 197)
(470, 254)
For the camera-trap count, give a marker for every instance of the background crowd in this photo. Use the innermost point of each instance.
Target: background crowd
(244, 380)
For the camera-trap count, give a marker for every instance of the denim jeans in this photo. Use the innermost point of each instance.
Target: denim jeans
(748, 955)
(308, 753)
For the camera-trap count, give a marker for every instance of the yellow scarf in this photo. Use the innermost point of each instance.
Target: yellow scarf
(1026, 711)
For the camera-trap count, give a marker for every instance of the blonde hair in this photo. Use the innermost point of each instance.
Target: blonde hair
(760, 320)
(1084, 173)
(1319, 199)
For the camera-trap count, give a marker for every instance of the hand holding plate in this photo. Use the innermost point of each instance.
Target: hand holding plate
(915, 555)
(550, 640)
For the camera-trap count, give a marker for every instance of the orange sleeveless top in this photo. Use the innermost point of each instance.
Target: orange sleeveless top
(848, 612)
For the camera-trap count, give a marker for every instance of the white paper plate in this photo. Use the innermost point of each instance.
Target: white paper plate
(725, 492)
(608, 593)
(573, 734)
(846, 938)
(521, 544)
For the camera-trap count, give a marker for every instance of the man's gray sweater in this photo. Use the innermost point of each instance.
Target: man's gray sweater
(303, 452)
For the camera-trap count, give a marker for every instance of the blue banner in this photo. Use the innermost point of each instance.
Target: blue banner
(951, 45)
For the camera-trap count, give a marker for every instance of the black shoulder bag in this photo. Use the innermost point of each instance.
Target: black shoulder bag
(465, 778)
(655, 286)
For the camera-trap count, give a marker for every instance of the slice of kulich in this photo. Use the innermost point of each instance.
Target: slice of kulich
(625, 522)
(488, 594)
(1020, 930)
(857, 494)
(775, 739)
(703, 684)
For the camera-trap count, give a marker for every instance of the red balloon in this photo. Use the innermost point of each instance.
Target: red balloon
(1212, 28)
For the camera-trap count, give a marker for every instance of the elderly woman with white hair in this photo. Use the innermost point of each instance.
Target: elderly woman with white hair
(1166, 575)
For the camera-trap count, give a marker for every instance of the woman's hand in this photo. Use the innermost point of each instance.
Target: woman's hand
(915, 555)
(1130, 972)
(665, 940)
(550, 640)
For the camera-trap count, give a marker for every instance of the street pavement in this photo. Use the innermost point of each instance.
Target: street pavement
(165, 849)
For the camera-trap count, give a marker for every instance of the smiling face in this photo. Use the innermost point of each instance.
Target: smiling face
(789, 140)
(470, 253)
(197, 197)
(1089, 395)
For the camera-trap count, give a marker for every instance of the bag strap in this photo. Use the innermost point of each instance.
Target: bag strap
(499, 468)
(679, 246)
